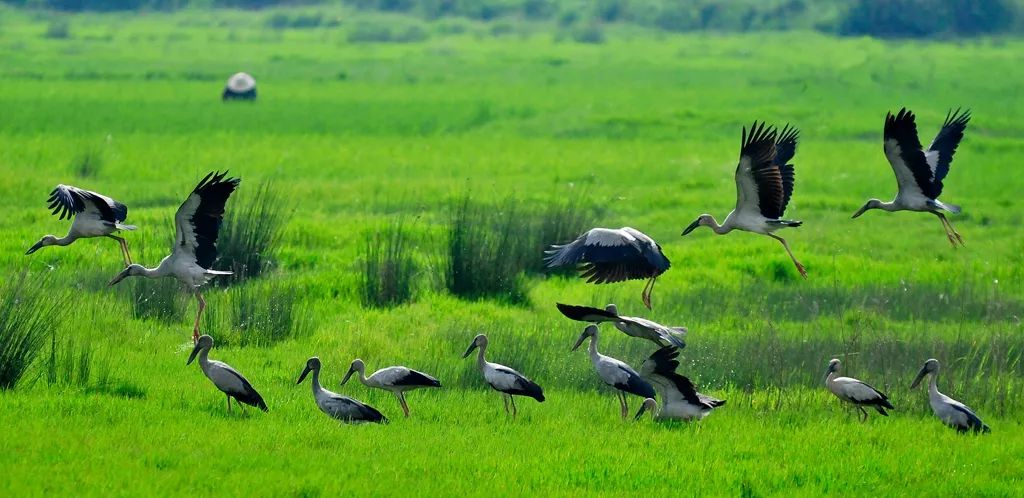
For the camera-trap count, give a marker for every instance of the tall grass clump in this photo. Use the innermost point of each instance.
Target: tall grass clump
(162, 299)
(388, 266)
(265, 314)
(251, 231)
(88, 163)
(30, 311)
(70, 361)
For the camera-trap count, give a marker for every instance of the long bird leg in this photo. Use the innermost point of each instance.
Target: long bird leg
(799, 267)
(505, 397)
(229, 403)
(646, 294)
(951, 232)
(124, 249)
(513, 400)
(202, 306)
(624, 406)
(405, 407)
(864, 412)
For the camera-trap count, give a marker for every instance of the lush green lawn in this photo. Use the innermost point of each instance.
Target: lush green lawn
(645, 126)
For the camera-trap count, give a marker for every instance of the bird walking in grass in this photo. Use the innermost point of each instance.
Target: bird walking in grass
(855, 392)
(764, 186)
(504, 379)
(95, 215)
(680, 399)
(396, 379)
(632, 326)
(615, 373)
(950, 411)
(196, 226)
(335, 405)
(227, 379)
(919, 172)
(605, 255)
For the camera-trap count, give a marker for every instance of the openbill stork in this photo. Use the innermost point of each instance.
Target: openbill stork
(397, 380)
(196, 225)
(630, 325)
(919, 173)
(680, 399)
(227, 379)
(855, 392)
(606, 255)
(950, 411)
(240, 86)
(504, 379)
(615, 373)
(95, 215)
(764, 185)
(335, 405)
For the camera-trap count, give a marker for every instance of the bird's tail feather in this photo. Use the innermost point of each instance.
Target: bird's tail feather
(124, 227)
(786, 223)
(952, 208)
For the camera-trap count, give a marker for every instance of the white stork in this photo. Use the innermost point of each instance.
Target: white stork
(632, 326)
(605, 255)
(240, 86)
(919, 173)
(227, 379)
(680, 399)
(614, 372)
(396, 379)
(94, 215)
(503, 379)
(335, 405)
(855, 392)
(196, 225)
(950, 411)
(764, 185)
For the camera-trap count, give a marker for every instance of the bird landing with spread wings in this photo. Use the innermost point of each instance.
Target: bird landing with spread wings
(95, 215)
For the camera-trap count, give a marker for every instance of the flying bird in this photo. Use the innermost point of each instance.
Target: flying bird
(396, 379)
(764, 186)
(630, 325)
(680, 399)
(855, 392)
(615, 373)
(606, 255)
(196, 225)
(950, 411)
(225, 378)
(335, 405)
(504, 379)
(919, 173)
(95, 215)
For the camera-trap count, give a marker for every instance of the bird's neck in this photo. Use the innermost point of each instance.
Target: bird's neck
(362, 376)
(888, 206)
(933, 384)
(480, 361)
(594, 355)
(63, 241)
(722, 229)
(204, 359)
(830, 377)
(315, 382)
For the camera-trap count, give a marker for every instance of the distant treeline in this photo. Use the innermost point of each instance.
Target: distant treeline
(882, 18)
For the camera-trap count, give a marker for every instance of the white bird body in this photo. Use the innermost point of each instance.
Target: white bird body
(94, 215)
(679, 397)
(225, 378)
(335, 405)
(396, 379)
(950, 411)
(503, 379)
(855, 392)
(614, 372)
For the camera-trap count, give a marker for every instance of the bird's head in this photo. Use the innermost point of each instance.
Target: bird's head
(833, 366)
(480, 341)
(611, 308)
(312, 364)
(47, 240)
(930, 367)
(871, 204)
(132, 270)
(650, 405)
(702, 220)
(204, 342)
(590, 331)
(357, 366)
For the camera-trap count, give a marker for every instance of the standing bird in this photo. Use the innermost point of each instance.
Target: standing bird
(240, 86)
(94, 215)
(227, 379)
(952, 412)
(503, 379)
(605, 255)
(632, 326)
(614, 372)
(680, 399)
(196, 225)
(398, 380)
(764, 185)
(335, 405)
(856, 392)
(919, 173)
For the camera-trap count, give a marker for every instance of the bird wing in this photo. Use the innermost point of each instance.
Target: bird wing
(679, 388)
(654, 331)
(861, 392)
(785, 149)
(586, 313)
(402, 376)
(940, 153)
(604, 255)
(903, 150)
(67, 201)
(662, 360)
(759, 186)
(650, 249)
(232, 382)
(633, 383)
(198, 220)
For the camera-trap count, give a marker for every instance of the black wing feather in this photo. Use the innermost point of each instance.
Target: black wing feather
(586, 313)
(213, 191)
(636, 385)
(415, 378)
(973, 422)
(601, 264)
(903, 129)
(250, 396)
(947, 140)
(785, 149)
(759, 147)
(67, 201)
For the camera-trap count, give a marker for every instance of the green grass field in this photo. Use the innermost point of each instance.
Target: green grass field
(644, 127)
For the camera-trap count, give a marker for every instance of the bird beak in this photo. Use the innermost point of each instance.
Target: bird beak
(192, 356)
(34, 248)
(640, 412)
(349, 374)
(470, 350)
(303, 375)
(860, 211)
(695, 224)
(579, 341)
(119, 277)
(920, 375)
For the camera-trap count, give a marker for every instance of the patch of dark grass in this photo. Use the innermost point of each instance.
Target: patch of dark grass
(162, 299)
(388, 266)
(58, 29)
(487, 251)
(88, 163)
(252, 228)
(30, 311)
(69, 362)
(263, 314)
